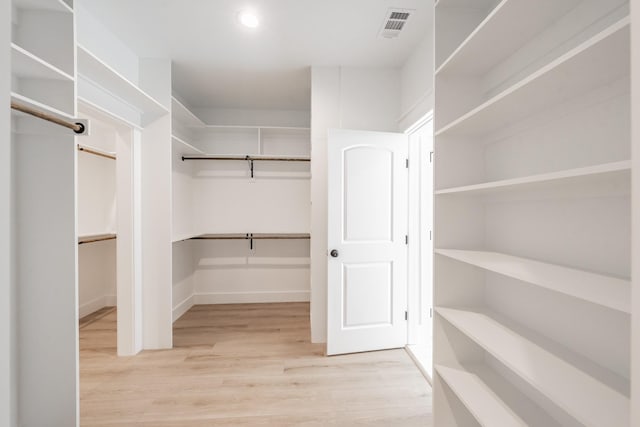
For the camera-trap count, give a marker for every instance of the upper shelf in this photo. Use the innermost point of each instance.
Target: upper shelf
(479, 51)
(25, 64)
(602, 59)
(102, 75)
(603, 290)
(610, 175)
(50, 5)
(183, 115)
(580, 395)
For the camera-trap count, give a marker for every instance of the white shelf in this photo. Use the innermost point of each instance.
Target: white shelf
(480, 52)
(50, 5)
(25, 64)
(580, 395)
(480, 399)
(190, 149)
(603, 290)
(183, 115)
(610, 175)
(21, 99)
(467, 4)
(101, 74)
(600, 60)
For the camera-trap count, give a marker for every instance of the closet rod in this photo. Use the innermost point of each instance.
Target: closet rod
(76, 127)
(250, 158)
(82, 241)
(97, 153)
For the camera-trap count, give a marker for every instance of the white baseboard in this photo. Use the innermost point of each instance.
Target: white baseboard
(183, 307)
(251, 297)
(96, 304)
(420, 359)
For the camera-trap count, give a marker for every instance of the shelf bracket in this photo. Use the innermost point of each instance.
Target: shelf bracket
(250, 160)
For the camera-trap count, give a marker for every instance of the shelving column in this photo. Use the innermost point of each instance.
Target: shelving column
(45, 238)
(532, 261)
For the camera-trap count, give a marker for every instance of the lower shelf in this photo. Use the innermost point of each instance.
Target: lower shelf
(490, 399)
(580, 395)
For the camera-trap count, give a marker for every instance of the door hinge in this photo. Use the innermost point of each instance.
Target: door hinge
(430, 156)
(406, 315)
(430, 234)
(406, 163)
(406, 239)
(431, 312)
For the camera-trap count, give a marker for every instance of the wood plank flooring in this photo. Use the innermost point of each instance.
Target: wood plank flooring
(244, 365)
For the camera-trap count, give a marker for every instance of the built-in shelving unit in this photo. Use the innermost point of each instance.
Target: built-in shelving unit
(532, 213)
(44, 239)
(96, 74)
(229, 179)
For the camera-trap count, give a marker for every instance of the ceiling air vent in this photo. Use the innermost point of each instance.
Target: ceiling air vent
(394, 22)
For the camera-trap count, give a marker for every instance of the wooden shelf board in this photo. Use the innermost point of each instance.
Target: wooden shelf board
(91, 238)
(25, 64)
(183, 115)
(24, 100)
(479, 52)
(600, 60)
(49, 5)
(598, 289)
(618, 173)
(101, 74)
(579, 394)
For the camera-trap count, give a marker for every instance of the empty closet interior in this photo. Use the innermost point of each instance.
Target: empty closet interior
(532, 205)
(241, 210)
(97, 216)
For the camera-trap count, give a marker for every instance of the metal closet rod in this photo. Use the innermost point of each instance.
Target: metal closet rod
(97, 153)
(251, 237)
(250, 158)
(76, 127)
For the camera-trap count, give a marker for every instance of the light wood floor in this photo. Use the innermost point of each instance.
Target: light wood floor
(244, 365)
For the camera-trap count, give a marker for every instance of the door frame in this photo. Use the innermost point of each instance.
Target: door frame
(420, 281)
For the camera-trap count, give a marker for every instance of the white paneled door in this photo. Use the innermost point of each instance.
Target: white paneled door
(367, 220)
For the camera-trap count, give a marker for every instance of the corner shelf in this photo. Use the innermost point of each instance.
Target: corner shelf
(25, 64)
(583, 397)
(598, 289)
(479, 51)
(601, 59)
(183, 115)
(615, 174)
(192, 150)
(101, 74)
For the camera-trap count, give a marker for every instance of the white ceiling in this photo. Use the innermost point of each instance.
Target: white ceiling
(220, 64)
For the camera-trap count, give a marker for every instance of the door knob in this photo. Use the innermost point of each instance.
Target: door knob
(334, 253)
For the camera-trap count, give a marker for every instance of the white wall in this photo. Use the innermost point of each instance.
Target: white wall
(347, 98)
(92, 34)
(416, 84)
(244, 117)
(7, 282)
(635, 226)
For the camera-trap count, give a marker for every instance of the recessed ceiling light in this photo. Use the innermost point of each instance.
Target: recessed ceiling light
(248, 19)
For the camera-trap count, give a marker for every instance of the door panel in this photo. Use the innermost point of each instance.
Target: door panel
(367, 222)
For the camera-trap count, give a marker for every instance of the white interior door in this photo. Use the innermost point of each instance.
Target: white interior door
(367, 227)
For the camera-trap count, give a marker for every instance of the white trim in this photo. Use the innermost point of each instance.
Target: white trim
(420, 364)
(251, 297)
(96, 304)
(180, 309)
(428, 93)
(419, 123)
